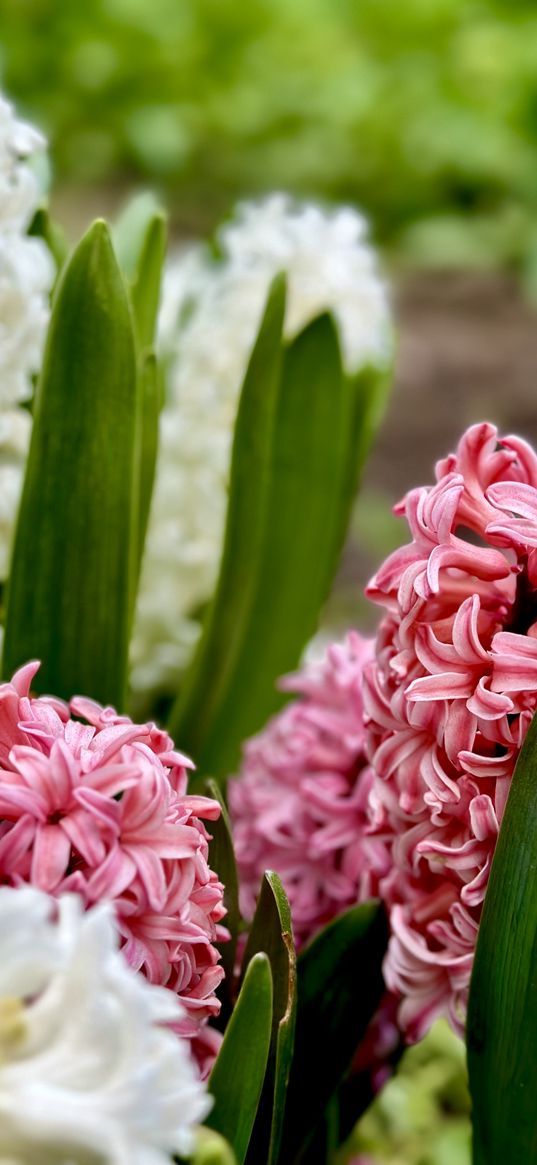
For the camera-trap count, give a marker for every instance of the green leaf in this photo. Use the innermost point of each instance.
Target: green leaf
(148, 435)
(145, 283)
(299, 443)
(130, 230)
(222, 858)
(271, 932)
(237, 1076)
(211, 675)
(339, 988)
(140, 238)
(69, 594)
(43, 227)
(140, 244)
(502, 1013)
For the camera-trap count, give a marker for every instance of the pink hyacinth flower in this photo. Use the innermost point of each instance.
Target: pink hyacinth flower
(448, 701)
(98, 805)
(300, 807)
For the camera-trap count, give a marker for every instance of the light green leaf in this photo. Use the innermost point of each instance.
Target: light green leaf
(299, 443)
(502, 1013)
(237, 1076)
(130, 230)
(74, 562)
(339, 988)
(43, 227)
(145, 283)
(271, 932)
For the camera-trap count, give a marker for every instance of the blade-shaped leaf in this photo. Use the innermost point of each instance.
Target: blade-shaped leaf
(502, 1013)
(339, 988)
(227, 625)
(297, 450)
(43, 227)
(222, 858)
(130, 230)
(145, 283)
(148, 434)
(237, 1078)
(141, 235)
(74, 560)
(271, 932)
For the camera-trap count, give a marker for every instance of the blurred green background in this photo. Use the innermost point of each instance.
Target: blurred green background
(424, 112)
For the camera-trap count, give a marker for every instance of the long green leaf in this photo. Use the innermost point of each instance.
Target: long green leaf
(130, 230)
(339, 988)
(43, 227)
(148, 433)
(237, 1077)
(74, 560)
(222, 858)
(145, 283)
(502, 1014)
(211, 676)
(298, 446)
(271, 932)
(141, 236)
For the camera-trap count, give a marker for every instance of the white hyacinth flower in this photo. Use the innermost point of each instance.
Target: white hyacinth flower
(88, 1074)
(26, 268)
(15, 429)
(210, 316)
(26, 277)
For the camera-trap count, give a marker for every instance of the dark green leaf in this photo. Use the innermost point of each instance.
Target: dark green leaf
(271, 932)
(222, 858)
(299, 443)
(237, 1077)
(74, 563)
(148, 430)
(211, 676)
(502, 1014)
(143, 249)
(339, 988)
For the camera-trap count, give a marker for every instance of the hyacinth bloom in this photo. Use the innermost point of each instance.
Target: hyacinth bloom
(449, 698)
(211, 311)
(97, 806)
(89, 1068)
(26, 277)
(300, 803)
(300, 807)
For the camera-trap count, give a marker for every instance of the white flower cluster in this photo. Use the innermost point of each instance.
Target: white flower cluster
(87, 1071)
(26, 275)
(210, 316)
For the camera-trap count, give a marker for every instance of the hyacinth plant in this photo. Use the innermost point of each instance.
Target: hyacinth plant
(98, 809)
(159, 969)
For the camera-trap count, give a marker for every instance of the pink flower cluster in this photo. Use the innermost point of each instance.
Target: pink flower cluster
(97, 805)
(300, 805)
(449, 699)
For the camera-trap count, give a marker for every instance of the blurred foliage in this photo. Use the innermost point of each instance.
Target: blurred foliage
(422, 1116)
(425, 113)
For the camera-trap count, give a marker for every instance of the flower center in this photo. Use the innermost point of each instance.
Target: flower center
(12, 1025)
